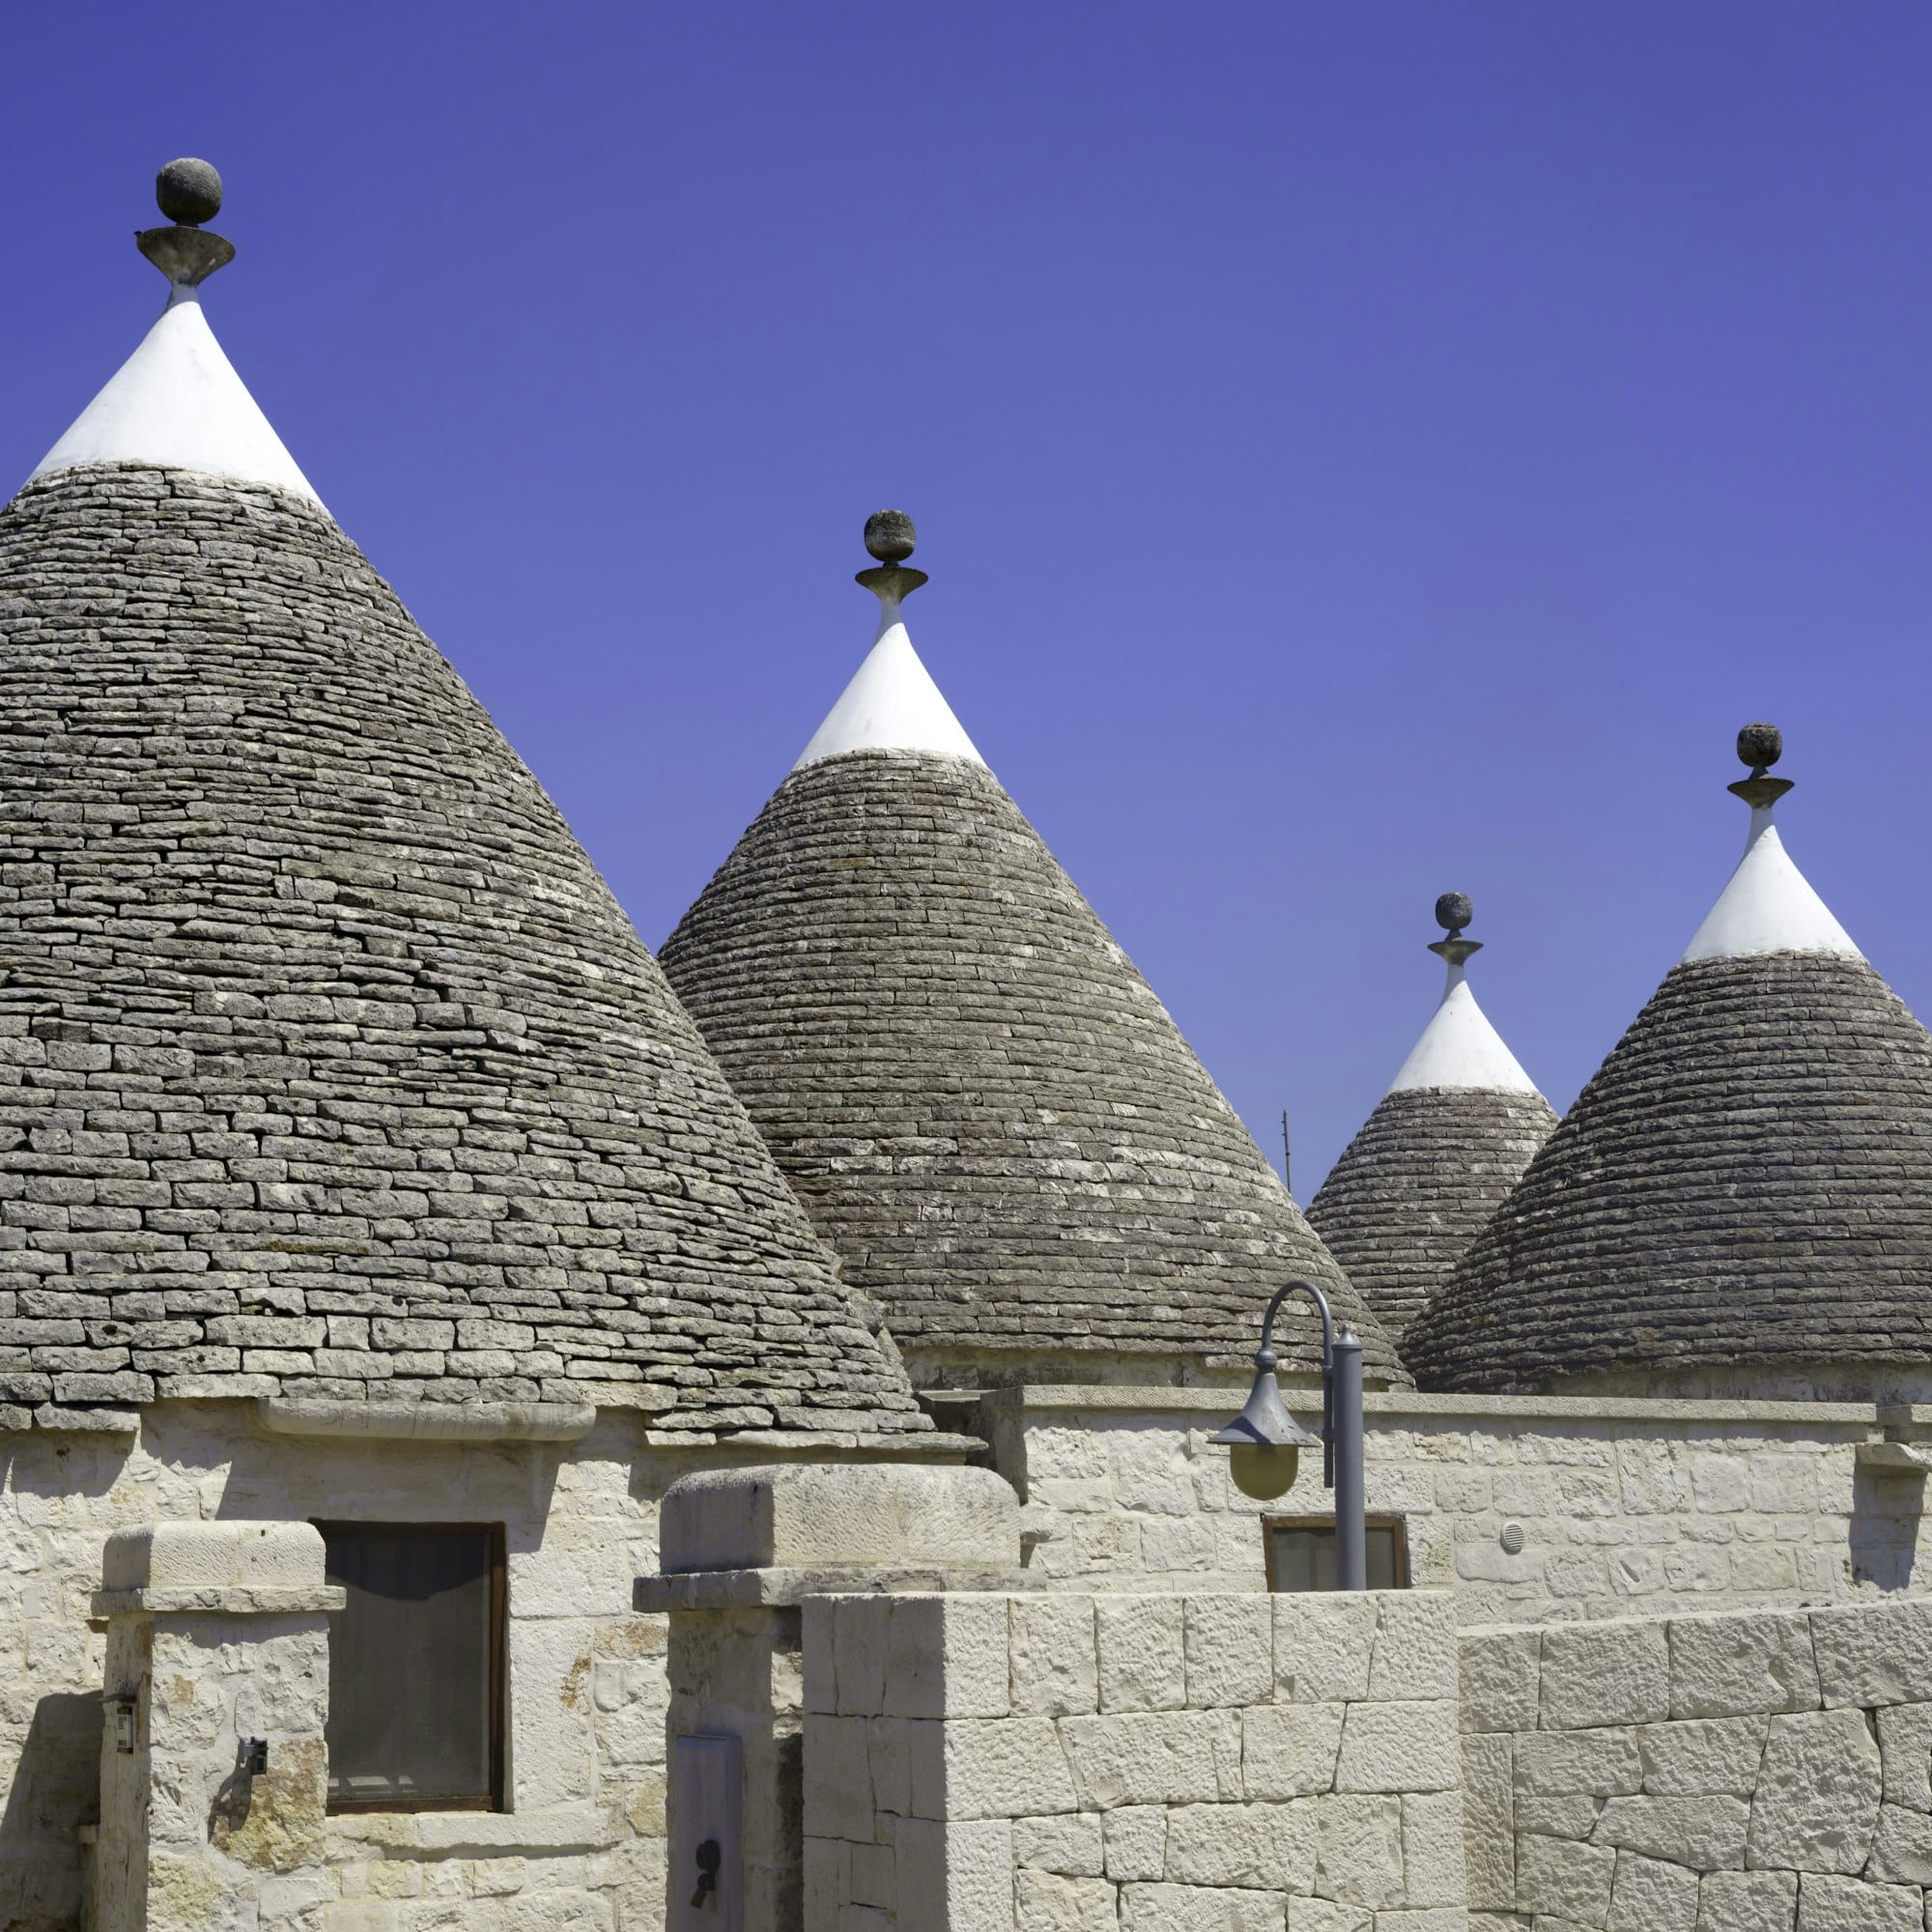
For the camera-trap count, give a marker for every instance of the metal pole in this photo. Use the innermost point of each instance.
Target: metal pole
(1345, 1390)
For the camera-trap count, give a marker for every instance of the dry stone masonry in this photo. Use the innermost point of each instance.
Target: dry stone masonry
(986, 1109)
(1795, 1082)
(1417, 1184)
(1757, 1772)
(328, 1063)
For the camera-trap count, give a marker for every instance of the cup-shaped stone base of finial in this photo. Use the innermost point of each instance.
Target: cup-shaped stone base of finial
(1455, 951)
(890, 583)
(185, 256)
(1760, 790)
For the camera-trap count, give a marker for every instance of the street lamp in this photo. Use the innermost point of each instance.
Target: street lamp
(1264, 1442)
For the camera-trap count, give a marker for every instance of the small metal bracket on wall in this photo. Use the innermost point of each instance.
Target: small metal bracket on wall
(255, 1756)
(126, 1713)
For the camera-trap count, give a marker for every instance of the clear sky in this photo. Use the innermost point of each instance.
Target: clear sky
(1359, 450)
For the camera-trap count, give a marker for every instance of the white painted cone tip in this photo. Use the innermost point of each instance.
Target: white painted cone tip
(1459, 1047)
(890, 706)
(178, 404)
(1768, 905)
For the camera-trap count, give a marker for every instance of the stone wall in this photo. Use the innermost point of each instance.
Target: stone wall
(217, 1638)
(1746, 1772)
(1615, 1507)
(585, 1841)
(1154, 1763)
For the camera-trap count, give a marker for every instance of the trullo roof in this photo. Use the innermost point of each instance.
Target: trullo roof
(332, 1068)
(985, 1107)
(1747, 1182)
(1443, 1147)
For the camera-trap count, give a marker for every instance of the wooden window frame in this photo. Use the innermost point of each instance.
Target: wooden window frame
(1271, 1523)
(498, 1662)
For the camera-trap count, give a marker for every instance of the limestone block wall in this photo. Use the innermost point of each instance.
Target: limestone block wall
(584, 1843)
(1150, 1762)
(217, 1636)
(1756, 1772)
(1527, 1507)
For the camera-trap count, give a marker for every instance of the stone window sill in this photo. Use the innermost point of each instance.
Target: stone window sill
(559, 1827)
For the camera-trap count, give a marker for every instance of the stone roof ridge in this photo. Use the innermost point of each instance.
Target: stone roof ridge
(176, 402)
(1768, 905)
(892, 704)
(1460, 1046)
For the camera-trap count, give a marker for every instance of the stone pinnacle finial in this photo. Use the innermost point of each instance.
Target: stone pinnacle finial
(890, 536)
(1453, 911)
(188, 192)
(1760, 747)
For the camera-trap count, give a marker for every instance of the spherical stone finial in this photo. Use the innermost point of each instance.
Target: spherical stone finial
(1760, 745)
(1453, 910)
(889, 535)
(188, 191)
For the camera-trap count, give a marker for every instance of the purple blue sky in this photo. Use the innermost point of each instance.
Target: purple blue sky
(1358, 451)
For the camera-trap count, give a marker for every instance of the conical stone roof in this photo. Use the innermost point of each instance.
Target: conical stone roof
(331, 1066)
(1741, 1199)
(984, 1106)
(1435, 1160)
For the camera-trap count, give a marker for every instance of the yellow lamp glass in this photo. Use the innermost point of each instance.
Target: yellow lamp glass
(1264, 1471)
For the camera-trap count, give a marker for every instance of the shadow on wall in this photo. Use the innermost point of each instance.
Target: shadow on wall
(56, 1785)
(1886, 1511)
(64, 1465)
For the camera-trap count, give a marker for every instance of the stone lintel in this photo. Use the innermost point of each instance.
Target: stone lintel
(783, 1588)
(1394, 1405)
(427, 1421)
(907, 1446)
(239, 1600)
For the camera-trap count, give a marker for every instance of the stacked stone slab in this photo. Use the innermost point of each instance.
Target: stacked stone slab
(328, 1066)
(1741, 1199)
(1435, 1160)
(984, 1106)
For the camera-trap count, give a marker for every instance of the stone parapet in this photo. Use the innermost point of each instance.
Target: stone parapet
(740, 1551)
(1740, 1772)
(838, 1515)
(977, 1763)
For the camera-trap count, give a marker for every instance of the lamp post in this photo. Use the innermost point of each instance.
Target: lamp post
(1264, 1442)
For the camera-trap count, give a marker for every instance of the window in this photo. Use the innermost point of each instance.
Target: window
(416, 1667)
(1300, 1552)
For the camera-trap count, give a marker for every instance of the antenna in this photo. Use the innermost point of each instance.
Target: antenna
(1287, 1168)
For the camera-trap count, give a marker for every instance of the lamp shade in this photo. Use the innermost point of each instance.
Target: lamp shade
(1264, 1442)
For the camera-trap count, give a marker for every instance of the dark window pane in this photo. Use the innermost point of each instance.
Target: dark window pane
(1304, 1556)
(410, 1664)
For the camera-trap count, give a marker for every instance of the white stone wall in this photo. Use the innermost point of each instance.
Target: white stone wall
(1152, 1763)
(584, 1845)
(1620, 1507)
(1756, 1772)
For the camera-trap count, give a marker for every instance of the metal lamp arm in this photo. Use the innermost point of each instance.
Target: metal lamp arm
(1327, 1315)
